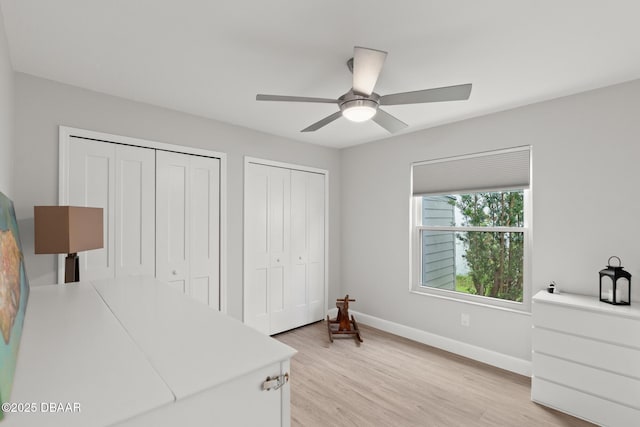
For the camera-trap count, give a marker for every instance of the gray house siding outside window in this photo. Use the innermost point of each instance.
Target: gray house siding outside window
(438, 247)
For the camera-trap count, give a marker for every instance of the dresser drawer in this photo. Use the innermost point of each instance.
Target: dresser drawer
(604, 327)
(600, 411)
(614, 358)
(607, 385)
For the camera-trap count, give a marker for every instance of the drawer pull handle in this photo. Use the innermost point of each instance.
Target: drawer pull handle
(274, 383)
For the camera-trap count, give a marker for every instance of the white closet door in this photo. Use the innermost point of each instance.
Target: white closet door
(284, 248)
(256, 262)
(299, 247)
(91, 180)
(279, 250)
(161, 214)
(316, 260)
(267, 211)
(204, 281)
(307, 246)
(188, 224)
(135, 208)
(172, 218)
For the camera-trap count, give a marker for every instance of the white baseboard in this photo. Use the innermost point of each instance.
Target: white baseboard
(490, 357)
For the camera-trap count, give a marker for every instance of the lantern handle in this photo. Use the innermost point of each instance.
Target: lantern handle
(610, 258)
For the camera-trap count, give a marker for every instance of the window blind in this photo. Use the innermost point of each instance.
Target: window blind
(490, 171)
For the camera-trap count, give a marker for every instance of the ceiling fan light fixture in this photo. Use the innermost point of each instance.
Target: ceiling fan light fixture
(361, 103)
(359, 110)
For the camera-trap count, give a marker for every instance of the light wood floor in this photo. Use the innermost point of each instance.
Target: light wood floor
(392, 381)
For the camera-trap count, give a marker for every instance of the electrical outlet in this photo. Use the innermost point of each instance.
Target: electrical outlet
(465, 319)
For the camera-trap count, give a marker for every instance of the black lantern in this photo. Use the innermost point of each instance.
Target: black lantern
(616, 286)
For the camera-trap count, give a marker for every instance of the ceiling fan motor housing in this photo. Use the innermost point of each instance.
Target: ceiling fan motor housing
(358, 108)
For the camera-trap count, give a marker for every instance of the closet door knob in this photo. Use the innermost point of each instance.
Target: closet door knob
(174, 272)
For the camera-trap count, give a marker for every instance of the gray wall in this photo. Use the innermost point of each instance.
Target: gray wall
(586, 205)
(42, 105)
(6, 115)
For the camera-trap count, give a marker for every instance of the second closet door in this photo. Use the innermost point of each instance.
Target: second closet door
(267, 234)
(284, 248)
(307, 247)
(188, 224)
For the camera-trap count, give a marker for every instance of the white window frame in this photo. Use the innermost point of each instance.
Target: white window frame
(416, 228)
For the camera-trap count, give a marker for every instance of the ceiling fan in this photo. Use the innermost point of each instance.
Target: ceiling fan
(361, 103)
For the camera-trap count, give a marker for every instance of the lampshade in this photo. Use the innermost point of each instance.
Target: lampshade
(359, 110)
(67, 229)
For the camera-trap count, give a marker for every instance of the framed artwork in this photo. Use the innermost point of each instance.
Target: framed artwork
(14, 292)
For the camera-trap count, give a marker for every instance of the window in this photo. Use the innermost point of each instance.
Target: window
(470, 227)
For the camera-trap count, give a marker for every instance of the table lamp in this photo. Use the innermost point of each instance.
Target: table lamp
(68, 230)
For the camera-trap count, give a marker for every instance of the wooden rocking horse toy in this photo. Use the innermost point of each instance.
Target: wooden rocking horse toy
(342, 324)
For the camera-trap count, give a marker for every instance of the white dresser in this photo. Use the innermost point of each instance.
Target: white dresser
(135, 352)
(586, 358)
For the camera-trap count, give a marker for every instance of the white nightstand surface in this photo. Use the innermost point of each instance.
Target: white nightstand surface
(588, 302)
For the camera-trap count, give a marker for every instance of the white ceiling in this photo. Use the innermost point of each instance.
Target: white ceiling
(211, 58)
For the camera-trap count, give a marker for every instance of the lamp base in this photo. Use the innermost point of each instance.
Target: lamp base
(72, 268)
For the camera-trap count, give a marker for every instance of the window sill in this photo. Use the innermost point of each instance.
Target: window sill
(512, 307)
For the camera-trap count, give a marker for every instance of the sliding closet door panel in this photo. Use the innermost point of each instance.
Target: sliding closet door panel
(188, 224)
(267, 210)
(91, 178)
(316, 248)
(135, 211)
(299, 246)
(257, 261)
(279, 241)
(205, 230)
(172, 218)
(307, 245)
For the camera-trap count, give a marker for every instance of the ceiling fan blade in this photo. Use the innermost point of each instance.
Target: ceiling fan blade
(367, 64)
(317, 125)
(261, 97)
(388, 122)
(440, 94)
